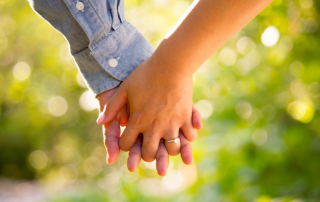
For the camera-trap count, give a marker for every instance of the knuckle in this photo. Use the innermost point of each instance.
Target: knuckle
(133, 153)
(109, 140)
(183, 146)
(161, 157)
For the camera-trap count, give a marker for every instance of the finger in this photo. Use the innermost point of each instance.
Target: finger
(173, 147)
(150, 145)
(128, 137)
(162, 158)
(196, 119)
(123, 116)
(111, 140)
(189, 132)
(186, 150)
(135, 155)
(105, 96)
(114, 105)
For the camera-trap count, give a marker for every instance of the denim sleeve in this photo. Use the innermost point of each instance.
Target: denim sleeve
(105, 46)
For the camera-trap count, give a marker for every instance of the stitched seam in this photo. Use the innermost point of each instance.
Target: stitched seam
(105, 39)
(95, 12)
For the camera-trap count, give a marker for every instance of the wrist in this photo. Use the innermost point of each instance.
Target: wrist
(175, 59)
(164, 73)
(165, 64)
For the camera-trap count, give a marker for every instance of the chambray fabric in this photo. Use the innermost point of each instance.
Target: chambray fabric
(95, 35)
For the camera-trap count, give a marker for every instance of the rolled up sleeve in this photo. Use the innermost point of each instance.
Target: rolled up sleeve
(105, 46)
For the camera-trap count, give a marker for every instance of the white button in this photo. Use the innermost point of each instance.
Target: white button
(80, 6)
(113, 62)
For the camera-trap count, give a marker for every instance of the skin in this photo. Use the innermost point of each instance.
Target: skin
(112, 135)
(157, 118)
(163, 108)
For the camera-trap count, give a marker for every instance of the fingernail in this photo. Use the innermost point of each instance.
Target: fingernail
(100, 119)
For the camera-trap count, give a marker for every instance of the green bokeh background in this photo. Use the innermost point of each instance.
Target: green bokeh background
(260, 108)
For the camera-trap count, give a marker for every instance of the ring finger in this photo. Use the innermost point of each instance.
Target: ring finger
(172, 143)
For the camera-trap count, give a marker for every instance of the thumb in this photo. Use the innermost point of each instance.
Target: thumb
(113, 106)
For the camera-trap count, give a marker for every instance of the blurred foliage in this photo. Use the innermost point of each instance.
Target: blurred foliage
(258, 95)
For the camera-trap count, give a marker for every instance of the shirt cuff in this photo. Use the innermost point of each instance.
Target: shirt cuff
(126, 45)
(122, 51)
(96, 78)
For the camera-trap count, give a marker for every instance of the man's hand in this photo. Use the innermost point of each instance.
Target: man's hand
(111, 134)
(160, 107)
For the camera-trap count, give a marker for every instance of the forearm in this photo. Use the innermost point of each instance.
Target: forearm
(106, 47)
(205, 27)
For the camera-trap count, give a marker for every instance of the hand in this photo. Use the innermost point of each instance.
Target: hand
(160, 107)
(162, 156)
(111, 134)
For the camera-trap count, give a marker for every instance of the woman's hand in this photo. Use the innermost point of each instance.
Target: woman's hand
(111, 134)
(160, 106)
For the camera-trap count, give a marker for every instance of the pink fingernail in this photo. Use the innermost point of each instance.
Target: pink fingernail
(101, 118)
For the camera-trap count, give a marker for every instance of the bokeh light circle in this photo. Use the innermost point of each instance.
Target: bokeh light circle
(21, 71)
(205, 108)
(38, 159)
(270, 36)
(88, 102)
(57, 106)
(227, 57)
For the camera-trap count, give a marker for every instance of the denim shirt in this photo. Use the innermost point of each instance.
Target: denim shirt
(105, 46)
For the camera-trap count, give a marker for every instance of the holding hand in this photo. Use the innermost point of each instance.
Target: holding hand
(160, 107)
(159, 91)
(112, 134)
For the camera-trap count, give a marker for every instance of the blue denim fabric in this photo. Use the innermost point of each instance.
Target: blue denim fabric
(95, 35)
